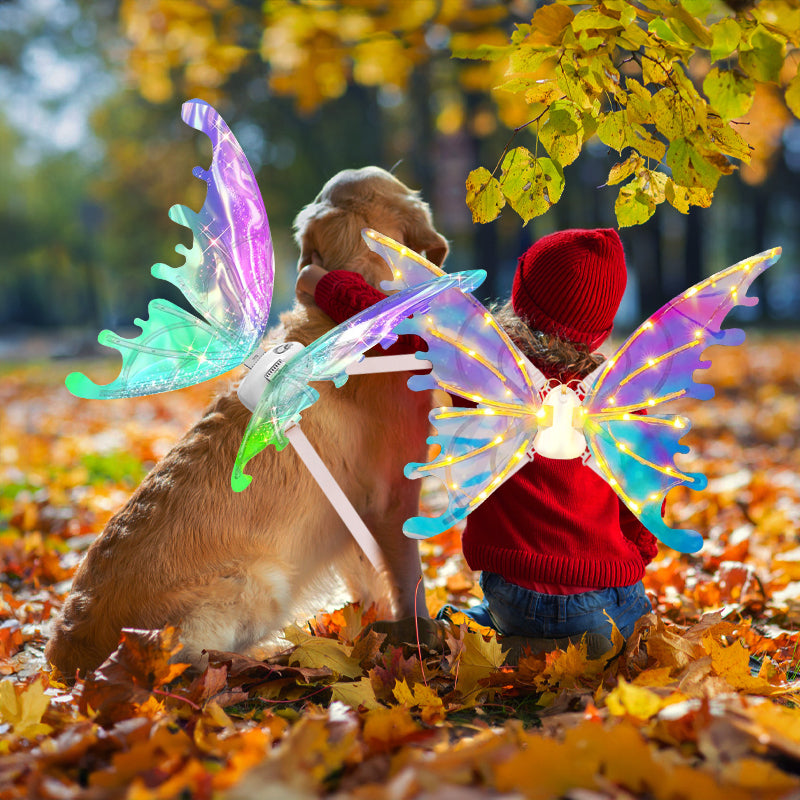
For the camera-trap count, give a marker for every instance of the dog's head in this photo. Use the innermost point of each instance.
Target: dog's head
(354, 199)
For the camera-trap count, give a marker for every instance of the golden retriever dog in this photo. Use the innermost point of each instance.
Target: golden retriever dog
(231, 569)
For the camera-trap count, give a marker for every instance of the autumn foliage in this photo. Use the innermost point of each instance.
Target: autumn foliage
(700, 702)
(679, 92)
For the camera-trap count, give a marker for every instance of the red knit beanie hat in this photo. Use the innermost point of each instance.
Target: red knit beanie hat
(570, 284)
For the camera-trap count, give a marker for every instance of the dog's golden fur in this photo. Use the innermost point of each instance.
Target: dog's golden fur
(231, 569)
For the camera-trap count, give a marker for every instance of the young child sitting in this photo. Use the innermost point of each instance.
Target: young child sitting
(558, 551)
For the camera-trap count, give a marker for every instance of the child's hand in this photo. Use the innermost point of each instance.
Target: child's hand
(307, 280)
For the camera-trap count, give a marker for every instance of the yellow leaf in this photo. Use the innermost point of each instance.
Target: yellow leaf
(385, 728)
(633, 206)
(658, 676)
(570, 668)
(562, 132)
(634, 700)
(423, 697)
(758, 776)
(316, 651)
(611, 130)
(355, 693)
(549, 21)
(484, 196)
(732, 663)
(624, 169)
(23, 707)
(477, 660)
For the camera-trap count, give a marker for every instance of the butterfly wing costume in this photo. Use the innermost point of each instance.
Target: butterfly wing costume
(518, 412)
(227, 277)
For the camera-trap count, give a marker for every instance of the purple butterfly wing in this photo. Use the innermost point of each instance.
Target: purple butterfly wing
(655, 365)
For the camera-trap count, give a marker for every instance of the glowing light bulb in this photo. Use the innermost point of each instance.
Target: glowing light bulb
(476, 397)
(698, 334)
(622, 447)
(612, 401)
(635, 508)
(626, 416)
(647, 325)
(651, 402)
(540, 414)
(651, 362)
(679, 423)
(498, 440)
(690, 292)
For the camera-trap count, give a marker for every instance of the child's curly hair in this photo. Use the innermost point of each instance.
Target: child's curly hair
(546, 350)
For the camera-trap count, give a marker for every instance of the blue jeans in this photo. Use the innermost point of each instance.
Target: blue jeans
(514, 611)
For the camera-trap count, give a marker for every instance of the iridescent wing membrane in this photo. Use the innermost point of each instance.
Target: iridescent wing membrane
(327, 358)
(481, 446)
(472, 357)
(227, 277)
(655, 365)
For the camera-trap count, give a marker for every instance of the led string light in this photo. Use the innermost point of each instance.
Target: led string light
(404, 251)
(653, 401)
(655, 361)
(501, 476)
(632, 504)
(468, 352)
(450, 460)
(671, 471)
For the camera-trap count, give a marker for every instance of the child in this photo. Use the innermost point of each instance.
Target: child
(556, 547)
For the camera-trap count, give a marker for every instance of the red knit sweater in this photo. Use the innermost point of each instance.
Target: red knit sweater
(555, 526)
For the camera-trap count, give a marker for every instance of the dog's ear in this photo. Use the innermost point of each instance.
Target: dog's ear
(430, 243)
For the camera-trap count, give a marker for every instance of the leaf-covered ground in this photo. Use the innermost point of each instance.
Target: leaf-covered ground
(701, 702)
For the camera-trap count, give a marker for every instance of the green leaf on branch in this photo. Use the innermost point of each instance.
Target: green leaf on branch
(562, 132)
(591, 19)
(638, 137)
(765, 58)
(670, 114)
(726, 35)
(611, 130)
(531, 185)
(792, 95)
(698, 8)
(730, 93)
(688, 166)
(660, 28)
(633, 206)
(727, 140)
(484, 196)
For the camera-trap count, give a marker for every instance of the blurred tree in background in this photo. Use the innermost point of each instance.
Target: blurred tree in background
(653, 100)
